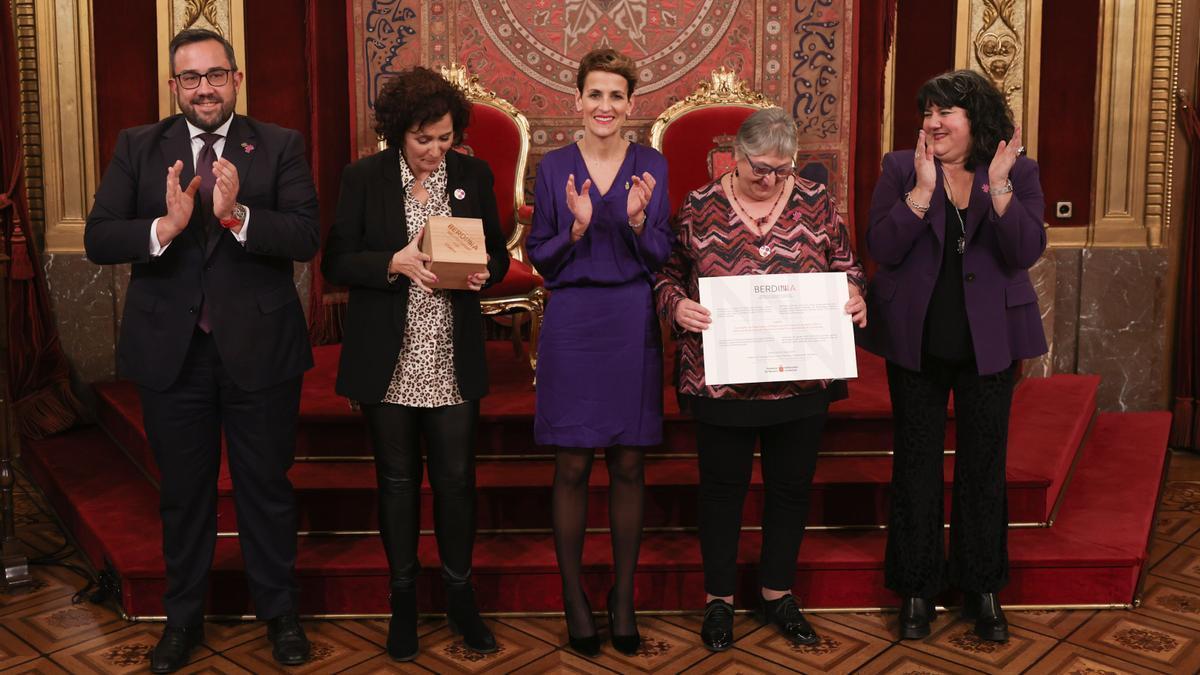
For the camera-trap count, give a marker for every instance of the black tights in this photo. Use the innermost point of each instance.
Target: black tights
(449, 434)
(572, 467)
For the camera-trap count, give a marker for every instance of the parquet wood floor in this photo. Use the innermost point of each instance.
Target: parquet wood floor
(43, 631)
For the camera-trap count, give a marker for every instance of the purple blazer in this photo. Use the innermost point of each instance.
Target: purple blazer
(1002, 306)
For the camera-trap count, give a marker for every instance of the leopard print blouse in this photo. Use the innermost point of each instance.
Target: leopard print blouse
(424, 374)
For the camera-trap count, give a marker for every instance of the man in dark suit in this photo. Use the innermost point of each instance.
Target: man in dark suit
(212, 208)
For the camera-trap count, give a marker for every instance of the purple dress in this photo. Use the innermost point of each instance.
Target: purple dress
(599, 368)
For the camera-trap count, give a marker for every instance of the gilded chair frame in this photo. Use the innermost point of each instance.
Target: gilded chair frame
(723, 88)
(533, 302)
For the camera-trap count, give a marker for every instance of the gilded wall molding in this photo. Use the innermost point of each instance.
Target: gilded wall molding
(223, 16)
(66, 119)
(888, 119)
(1135, 124)
(1164, 82)
(25, 25)
(1002, 40)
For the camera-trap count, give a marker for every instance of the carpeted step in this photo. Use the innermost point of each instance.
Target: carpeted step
(1050, 417)
(1093, 555)
(328, 427)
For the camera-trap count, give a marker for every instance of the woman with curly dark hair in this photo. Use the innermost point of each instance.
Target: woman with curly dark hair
(413, 357)
(955, 226)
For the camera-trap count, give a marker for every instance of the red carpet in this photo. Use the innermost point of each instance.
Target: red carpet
(1092, 553)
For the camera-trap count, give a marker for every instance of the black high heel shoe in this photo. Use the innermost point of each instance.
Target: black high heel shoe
(588, 645)
(626, 644)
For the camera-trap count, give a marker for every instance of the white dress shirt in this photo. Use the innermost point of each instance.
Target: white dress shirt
(198, 144)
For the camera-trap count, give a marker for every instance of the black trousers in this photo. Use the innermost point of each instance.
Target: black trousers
(916, 562)
(726, 453)
(449, 435)
(184, 426)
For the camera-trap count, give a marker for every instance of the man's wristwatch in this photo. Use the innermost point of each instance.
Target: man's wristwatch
(239, 217)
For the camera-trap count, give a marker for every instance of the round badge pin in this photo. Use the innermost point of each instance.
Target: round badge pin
(460, 194)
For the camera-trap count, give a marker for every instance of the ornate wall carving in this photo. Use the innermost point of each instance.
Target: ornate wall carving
(1001, 39)
(796, 52)
(223, 16)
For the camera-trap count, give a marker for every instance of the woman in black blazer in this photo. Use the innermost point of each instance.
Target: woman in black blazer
(413, 357)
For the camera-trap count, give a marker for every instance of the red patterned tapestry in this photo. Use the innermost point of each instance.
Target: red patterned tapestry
(797, 52)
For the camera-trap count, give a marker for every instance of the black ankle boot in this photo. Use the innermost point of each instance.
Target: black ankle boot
(402, 628)
(984, 609)
(915, 616)
(464, 619)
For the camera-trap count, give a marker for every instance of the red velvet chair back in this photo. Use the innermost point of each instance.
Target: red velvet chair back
(496, 138)
(690, 142)
(694, 134)
(498, 134)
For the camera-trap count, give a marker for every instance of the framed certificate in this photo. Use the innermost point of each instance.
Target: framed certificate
(777, 327)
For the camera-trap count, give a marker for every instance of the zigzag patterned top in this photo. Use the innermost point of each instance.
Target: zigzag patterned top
(712, 241)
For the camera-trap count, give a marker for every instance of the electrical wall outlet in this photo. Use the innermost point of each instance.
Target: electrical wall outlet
(1063, 210)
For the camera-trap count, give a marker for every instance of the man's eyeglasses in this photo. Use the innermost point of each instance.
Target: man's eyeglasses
(762, 170)
(217, 77)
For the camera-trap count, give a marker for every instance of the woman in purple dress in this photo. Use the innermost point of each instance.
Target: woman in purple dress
(600, 232)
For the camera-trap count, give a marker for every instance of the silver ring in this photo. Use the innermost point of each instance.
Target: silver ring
(1020, 149)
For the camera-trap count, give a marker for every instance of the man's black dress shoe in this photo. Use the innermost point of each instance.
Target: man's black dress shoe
(915, 616)
(174, 647)
(463, 617)
(402, 628)
(984, 609)
(717, 629)
(289, 644)
(785, 615)
(626, 644)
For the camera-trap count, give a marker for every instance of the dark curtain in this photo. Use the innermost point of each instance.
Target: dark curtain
(329, 79)
(1185, 429)
(875, 31)
(39, 376)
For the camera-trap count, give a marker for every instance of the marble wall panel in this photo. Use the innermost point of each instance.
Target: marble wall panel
(1067, 263)
(1042, 274)
(1122, 326)
(89, 301)
(82, 298)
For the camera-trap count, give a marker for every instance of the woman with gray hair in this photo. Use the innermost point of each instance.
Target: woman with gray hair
(758, 219)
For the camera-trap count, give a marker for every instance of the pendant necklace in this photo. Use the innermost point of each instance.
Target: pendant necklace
(764, 249)
(962, 239)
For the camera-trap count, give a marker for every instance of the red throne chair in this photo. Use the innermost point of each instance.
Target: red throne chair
(696, 134)
(499, 134)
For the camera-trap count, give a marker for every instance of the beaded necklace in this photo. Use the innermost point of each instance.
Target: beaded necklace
(764, 249)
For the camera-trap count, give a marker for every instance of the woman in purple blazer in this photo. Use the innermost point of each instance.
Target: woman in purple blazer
(955, 227)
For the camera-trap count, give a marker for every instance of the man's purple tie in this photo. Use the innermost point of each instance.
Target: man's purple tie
(208, 181)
